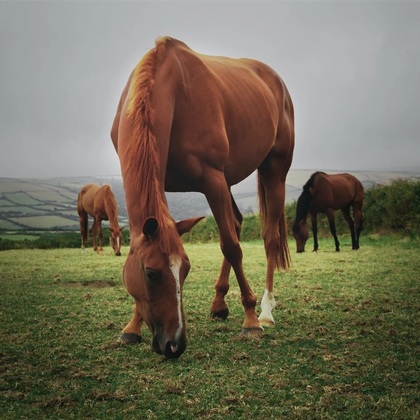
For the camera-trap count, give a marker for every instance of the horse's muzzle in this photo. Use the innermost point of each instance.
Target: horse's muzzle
(118, 254)
(169, 349)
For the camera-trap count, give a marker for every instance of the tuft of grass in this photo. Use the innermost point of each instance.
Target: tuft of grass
(345, 343)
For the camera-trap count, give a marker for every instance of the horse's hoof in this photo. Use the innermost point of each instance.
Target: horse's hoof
(223, 314)
(266, 322)
(129, 338)
(252, 332)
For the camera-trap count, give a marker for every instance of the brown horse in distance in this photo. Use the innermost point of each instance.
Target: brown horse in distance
(324, 193)
(191, 122)
(99, 202)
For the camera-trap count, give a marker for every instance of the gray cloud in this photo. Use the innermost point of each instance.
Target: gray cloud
(352, 69)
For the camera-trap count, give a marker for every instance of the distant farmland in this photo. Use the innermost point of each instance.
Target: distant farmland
(45, 204)
(50, 204)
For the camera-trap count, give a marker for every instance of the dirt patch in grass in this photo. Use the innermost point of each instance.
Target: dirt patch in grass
(95, 284)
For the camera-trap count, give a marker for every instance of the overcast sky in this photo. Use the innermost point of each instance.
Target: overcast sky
(352, 68)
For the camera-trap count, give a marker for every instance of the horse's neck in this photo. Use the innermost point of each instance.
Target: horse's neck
(303, 205)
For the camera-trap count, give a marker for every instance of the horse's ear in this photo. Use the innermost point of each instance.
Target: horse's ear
(186, 225)
(111, 230)
(150, 227)
(121, 229)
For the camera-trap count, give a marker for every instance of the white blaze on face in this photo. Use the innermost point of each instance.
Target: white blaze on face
(175, 263)
(118, 243)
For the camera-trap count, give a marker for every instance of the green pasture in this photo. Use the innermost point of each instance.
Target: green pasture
(21, 199)
(345, 344)
(59, 196)
(18, 237)
(45, 222)
(8, 225)
(22, 210)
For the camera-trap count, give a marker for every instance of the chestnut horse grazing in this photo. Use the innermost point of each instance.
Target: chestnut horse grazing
(99, 202)
(191, 122)
(324, 193)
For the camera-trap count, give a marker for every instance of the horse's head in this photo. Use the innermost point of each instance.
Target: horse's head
(116, 239)
(301, 234)
(155, 278)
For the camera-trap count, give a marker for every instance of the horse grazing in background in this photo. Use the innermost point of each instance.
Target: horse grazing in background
(191, 122)
(99, 202)
(324, 193)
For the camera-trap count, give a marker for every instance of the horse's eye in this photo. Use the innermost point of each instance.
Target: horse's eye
(152, 275)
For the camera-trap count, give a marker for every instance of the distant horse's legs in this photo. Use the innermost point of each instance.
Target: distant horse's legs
(331, 221)
(100, 234)
(97, 232)
(84, 231)
(358, 221)
(131, 333)
(94, 234)
(314, 221)
(219, 307)
(350, 223)
(219, 199)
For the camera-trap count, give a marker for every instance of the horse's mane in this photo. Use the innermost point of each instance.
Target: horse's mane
(304, 202)
(111, 206)
(143, 160)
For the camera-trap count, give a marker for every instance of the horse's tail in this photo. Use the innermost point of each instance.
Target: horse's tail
(283, 256)
(83, 216)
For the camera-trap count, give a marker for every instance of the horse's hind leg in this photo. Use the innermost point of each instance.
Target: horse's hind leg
(272, 190)
(314, 221)
(358, 218)
(331, 221)
(84, 230)
(219, 308)
(350, 223)
(94, 235)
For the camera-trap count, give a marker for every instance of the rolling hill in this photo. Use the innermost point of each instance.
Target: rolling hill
(50, 204)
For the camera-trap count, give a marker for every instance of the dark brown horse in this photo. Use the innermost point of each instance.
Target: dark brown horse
(99, 202)
(190, 122)
(324, 193)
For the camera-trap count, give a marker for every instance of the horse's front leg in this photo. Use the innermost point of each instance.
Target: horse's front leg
(131, 333)
(219, 199)
(101, 237)
(219, 308)
(314, 222)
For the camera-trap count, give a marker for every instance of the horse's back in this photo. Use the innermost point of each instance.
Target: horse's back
(226, 113)
(336, 191)
(86, 198)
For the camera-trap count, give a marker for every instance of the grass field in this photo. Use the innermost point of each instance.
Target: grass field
(345, 344)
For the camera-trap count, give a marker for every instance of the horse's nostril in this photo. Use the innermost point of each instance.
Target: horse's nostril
(173, 350)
